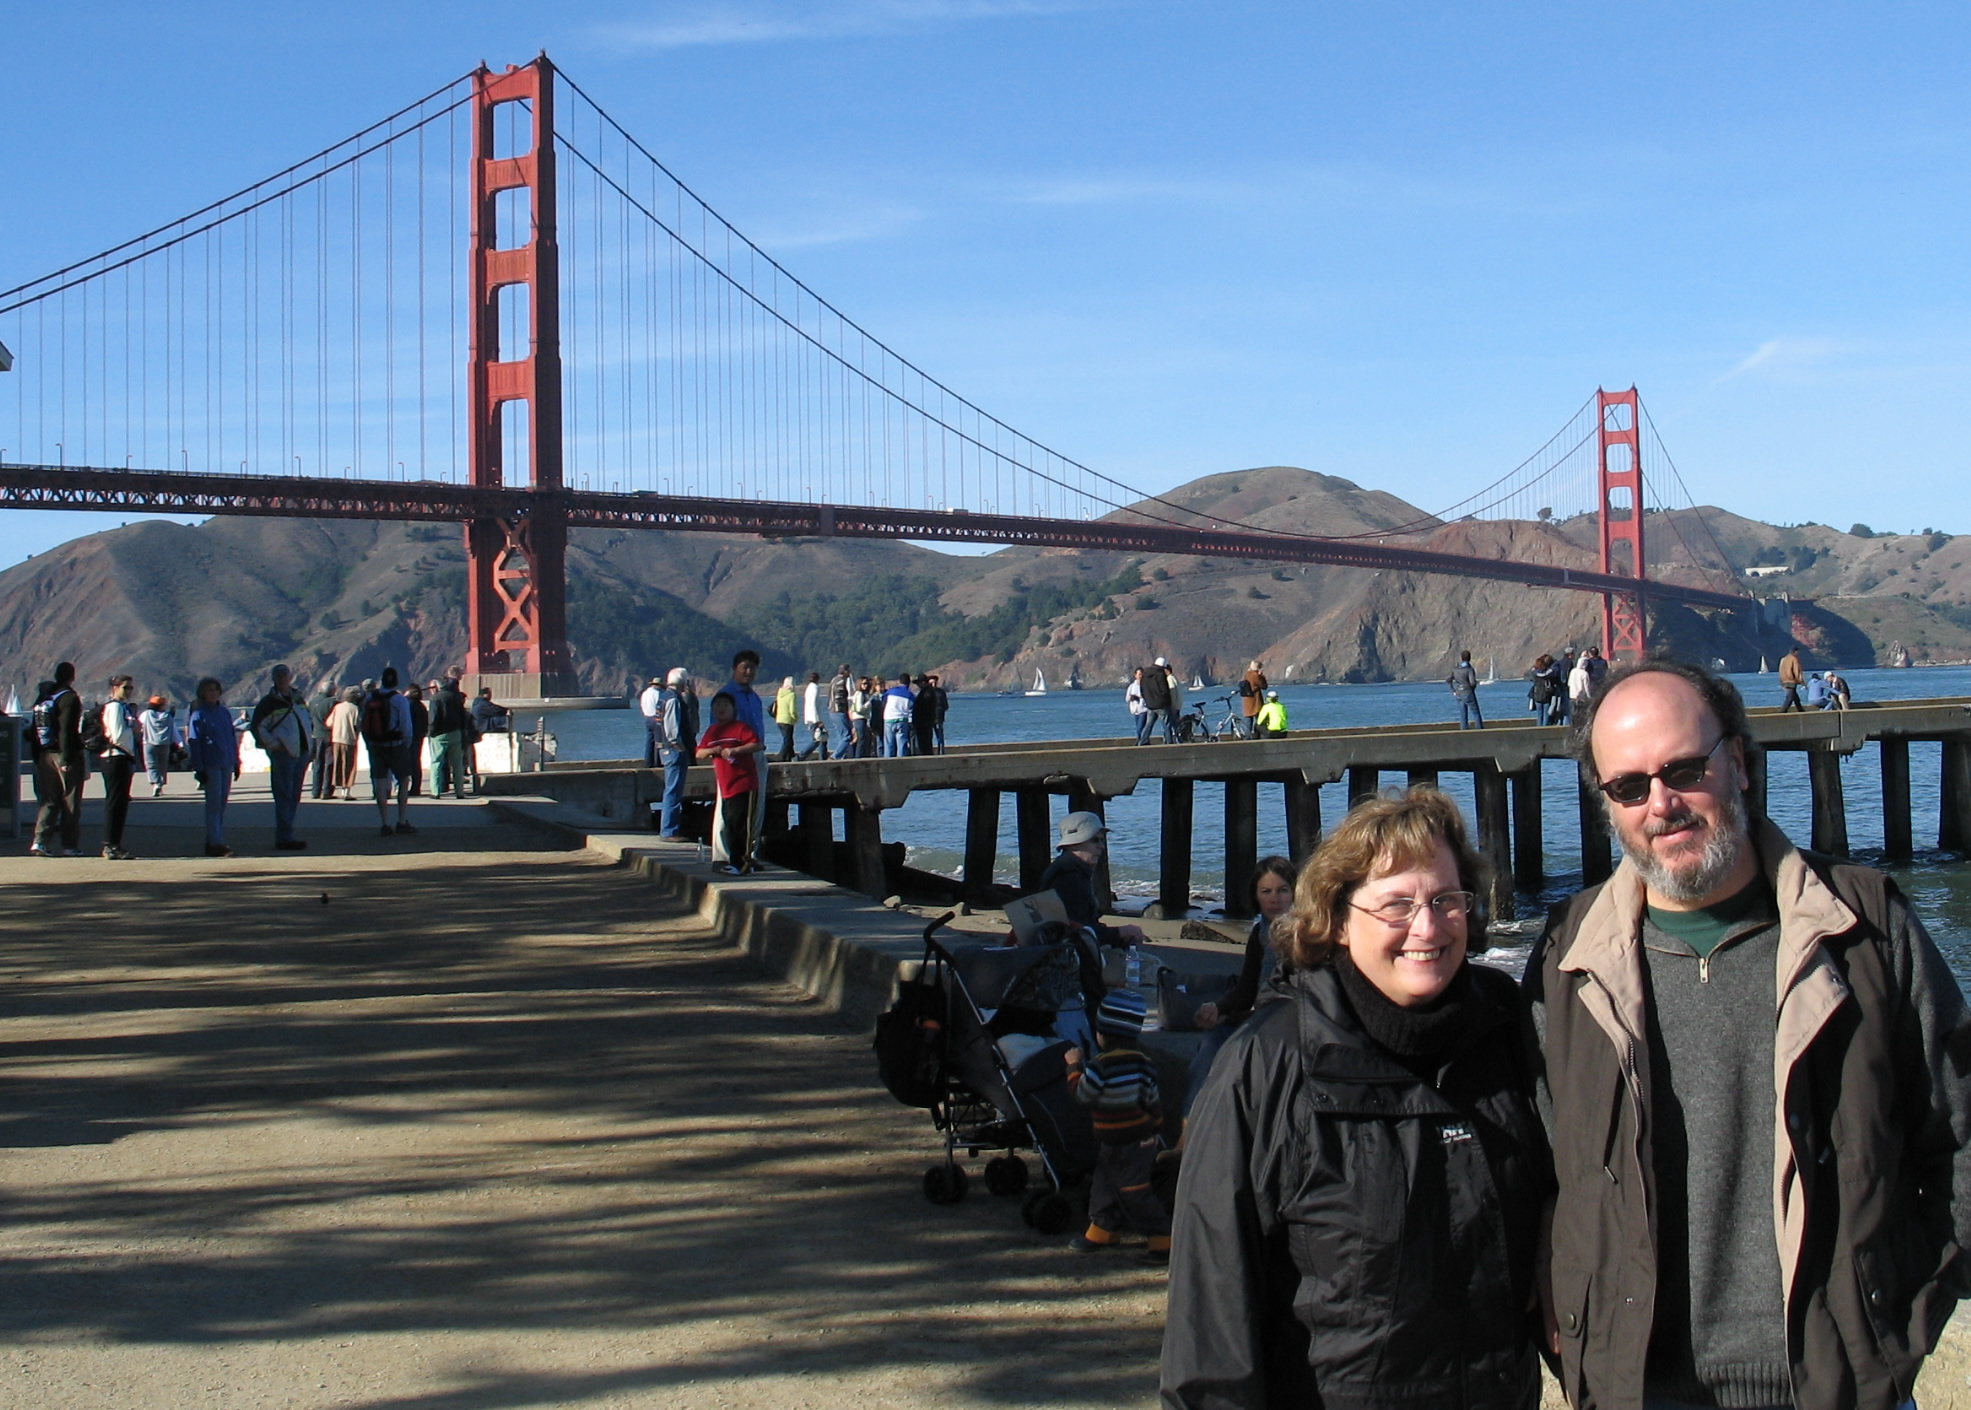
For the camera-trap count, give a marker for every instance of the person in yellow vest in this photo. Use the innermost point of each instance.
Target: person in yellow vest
(1272, 717)
(786, 714)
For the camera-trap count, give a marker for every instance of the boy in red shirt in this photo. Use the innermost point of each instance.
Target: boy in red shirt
(728, 742)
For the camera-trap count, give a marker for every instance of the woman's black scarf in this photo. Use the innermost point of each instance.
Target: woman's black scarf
(1427, 1036)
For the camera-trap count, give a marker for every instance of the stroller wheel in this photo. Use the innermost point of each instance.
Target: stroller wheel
(945, 1184)
(1048, 1211)
(1006, 1175)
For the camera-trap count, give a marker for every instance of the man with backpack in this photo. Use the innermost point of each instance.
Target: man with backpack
(60, 767)
(387, 731)
(1156, 700)
(283, 726)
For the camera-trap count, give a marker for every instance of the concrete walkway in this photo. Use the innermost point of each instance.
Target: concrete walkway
(493, 1125)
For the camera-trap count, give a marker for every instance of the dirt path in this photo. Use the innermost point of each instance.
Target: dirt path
(486, 1129)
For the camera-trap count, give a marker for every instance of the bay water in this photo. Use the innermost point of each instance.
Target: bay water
(932, 824)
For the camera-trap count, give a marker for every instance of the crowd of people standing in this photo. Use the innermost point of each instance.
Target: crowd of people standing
(392, 725)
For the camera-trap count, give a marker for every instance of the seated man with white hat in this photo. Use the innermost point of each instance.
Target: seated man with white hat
(1071, 876)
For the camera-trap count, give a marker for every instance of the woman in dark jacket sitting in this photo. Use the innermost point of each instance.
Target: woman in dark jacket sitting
(1362, 1182)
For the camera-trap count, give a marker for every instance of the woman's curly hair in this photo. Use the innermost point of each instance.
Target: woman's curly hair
(1394, 832)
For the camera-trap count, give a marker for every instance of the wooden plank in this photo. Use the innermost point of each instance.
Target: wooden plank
(1897, 835)
(818, 839)
(1174, 860)
(981, 841)
(1036, 834)
(1241, 844)
(1303, 819)
(1528, 846)
(1495, 836)
(1830, 811)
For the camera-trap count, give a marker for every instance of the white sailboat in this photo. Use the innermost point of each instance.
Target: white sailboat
(1039, 683)
(1764, 669)
(13, 702)
(1491, 672)
(1198, 681)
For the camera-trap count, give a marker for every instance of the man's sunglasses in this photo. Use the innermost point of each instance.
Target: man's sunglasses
(1631, 789)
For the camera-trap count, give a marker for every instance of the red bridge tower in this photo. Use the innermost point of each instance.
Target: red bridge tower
(516, 585)
(1624, 623)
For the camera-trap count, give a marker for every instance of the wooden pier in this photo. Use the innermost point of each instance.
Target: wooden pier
(1503, 761)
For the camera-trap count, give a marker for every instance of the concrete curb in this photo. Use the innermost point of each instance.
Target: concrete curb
(841, 949)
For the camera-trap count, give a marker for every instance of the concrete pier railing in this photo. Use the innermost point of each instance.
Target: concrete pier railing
(1503, 761)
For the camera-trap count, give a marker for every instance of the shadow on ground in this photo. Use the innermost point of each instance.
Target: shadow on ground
(507, 1094)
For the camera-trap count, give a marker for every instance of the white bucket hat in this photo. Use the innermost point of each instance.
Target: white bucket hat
(1077, 828)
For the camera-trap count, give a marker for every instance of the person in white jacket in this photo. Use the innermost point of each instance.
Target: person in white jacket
(1580, 682)
(813, 698)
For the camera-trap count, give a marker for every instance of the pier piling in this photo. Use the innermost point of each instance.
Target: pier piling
(1830, 813)
(1174, 864)
(1954, 814)
(1035, 826)
(1363, 782)
(1495, 836)
(818, 839)
(981, 841)
(1303, 819)
(1596, 864)
(865, 832)
(1241, 843)
(1528, 850)
(1897, 836)
(1420, 777)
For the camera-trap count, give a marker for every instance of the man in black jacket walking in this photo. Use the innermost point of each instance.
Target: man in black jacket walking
(60, 769)
(1156, 700)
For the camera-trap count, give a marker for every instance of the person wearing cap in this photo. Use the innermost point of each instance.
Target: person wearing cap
(1120, 1084)
(1071, 876)
(677, 737)
(1837, 692)
(1272, 716)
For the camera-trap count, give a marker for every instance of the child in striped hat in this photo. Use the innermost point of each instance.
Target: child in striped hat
(1120, 1083)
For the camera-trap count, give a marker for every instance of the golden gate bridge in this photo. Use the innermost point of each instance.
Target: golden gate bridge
(497, 307)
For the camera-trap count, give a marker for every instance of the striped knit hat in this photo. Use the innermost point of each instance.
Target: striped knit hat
(1121, 1014)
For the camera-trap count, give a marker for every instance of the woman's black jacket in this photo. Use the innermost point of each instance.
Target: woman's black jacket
(1349, 1235)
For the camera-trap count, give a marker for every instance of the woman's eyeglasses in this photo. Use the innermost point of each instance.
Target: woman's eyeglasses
(1631, 789)
(1402, 910)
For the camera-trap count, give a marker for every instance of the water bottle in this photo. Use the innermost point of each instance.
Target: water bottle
(1133, 967)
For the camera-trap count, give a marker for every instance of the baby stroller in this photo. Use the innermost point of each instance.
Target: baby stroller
(977, 1038)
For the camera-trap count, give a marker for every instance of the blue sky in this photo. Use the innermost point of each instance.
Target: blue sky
(1395, 242)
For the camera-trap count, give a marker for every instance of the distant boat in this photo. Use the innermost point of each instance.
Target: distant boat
(1198, 681)
(1074, 677)
(1491, 672)
(13, 701)
(1764, 669)
(1039, 683)
(1718, 663)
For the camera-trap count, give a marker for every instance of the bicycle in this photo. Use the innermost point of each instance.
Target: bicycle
(1194, 726)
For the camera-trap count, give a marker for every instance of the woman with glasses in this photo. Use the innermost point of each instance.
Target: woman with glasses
(1363, 1177)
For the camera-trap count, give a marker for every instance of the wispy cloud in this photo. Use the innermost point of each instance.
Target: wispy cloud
(1777, 356)
(771, 21)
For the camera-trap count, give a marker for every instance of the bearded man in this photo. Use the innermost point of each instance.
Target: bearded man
(1755, 1080)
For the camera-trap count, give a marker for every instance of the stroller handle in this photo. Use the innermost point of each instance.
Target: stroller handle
(940, 923)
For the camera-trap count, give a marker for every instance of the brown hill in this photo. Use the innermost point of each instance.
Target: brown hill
(340, 599)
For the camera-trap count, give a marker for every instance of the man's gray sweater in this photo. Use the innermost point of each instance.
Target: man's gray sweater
(1719, 1334)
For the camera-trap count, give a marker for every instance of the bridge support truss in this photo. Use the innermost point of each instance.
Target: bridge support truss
(1619, 508)
(516, 580)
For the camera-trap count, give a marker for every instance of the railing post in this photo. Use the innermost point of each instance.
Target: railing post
(1528, 845)
(981, 841)
(1303, 819)
(1495, 836)
(1241, 843)
(1897, 835)
(1830, 811)
(1174, 856)
(1036, 835)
